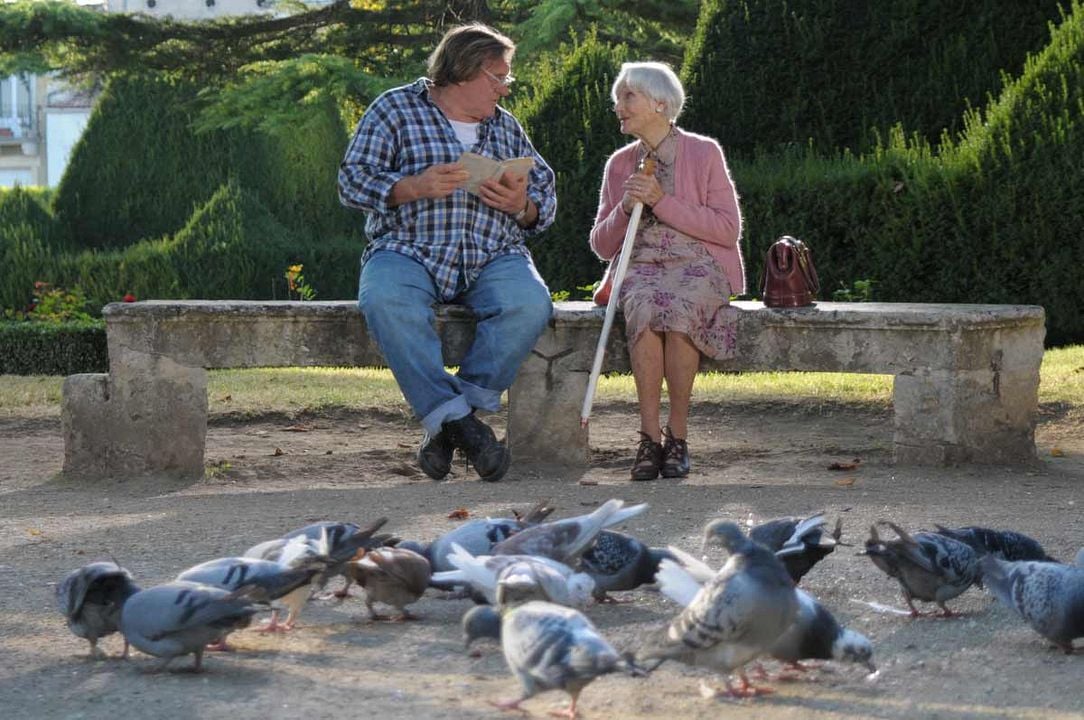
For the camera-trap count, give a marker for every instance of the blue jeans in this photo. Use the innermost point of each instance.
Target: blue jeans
(396, 294)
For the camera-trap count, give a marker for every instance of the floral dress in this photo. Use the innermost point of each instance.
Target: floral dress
(673, 283)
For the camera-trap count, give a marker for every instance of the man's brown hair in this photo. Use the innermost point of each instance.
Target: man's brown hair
(463, 50)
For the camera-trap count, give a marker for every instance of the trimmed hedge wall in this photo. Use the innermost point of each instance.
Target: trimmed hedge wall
(38, 348)
(993, 217)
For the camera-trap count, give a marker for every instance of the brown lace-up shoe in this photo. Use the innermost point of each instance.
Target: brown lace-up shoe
(675, 456)
(648, 459)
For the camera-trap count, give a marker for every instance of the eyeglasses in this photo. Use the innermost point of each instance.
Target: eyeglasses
(505, 81)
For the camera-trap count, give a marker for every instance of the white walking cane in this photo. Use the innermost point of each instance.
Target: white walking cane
(648, 168)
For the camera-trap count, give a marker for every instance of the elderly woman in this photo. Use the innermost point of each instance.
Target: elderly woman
(686, 261)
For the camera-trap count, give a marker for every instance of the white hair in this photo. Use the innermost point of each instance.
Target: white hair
(657, 81)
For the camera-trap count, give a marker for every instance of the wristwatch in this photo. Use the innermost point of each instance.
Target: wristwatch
(522, 213)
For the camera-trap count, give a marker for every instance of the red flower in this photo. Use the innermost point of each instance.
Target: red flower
(129, 297)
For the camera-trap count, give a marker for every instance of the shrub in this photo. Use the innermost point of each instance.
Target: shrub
(768, 73)
(570, 120)
(140, 170)
(40, 348)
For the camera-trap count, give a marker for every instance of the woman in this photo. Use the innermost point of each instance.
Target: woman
(686, 261)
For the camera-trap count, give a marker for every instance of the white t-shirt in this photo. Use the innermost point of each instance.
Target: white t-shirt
(466, 132)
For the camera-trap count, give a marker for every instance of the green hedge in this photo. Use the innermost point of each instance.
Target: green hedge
(37, 348)
(571, 122)
(768, 73)
(139, 171)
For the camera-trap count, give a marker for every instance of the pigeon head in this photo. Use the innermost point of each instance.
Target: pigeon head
(854, 647)
(481, 622)
(581, 587)
(726, 535)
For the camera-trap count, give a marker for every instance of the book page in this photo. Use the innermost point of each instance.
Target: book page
(482, 168)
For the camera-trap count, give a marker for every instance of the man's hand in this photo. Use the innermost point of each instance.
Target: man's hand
(436, 181)
(509, 194)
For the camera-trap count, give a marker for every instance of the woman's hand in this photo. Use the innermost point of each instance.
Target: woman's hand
(641, 188)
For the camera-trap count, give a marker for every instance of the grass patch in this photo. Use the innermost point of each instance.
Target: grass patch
(293, 390)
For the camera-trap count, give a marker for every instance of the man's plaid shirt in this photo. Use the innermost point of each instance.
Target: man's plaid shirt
(402, 133)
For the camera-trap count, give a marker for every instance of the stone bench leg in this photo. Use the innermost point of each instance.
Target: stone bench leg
(149, 415)
(544, 405)
(975, 416)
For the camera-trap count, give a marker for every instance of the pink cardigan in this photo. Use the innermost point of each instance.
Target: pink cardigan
(704, 204)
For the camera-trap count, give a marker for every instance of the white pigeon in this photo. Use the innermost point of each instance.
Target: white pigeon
(91, 598)
(737, 615)
(550, 579)
(1049, 596)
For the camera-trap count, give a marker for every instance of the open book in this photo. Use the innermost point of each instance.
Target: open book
(482, 168)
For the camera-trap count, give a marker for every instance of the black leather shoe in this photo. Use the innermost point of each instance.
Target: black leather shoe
(675, 456)
(648, 459)
(435, 454)
(489, 457)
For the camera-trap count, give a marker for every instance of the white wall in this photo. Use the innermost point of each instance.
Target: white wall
(62, 131)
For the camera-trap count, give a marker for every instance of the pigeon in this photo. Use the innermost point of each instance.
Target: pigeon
(814, 635)
(1002, 544)
(928, 566)
(620, 562)
(800, 543)
(478, 536)
(182, 618)
(737, 615)
(391, 575)
(547, 579)
(91, 598)
(1049, 596)
(566, 540)
(288, 579)
(480, 622)
(552, 647)
(338, 541)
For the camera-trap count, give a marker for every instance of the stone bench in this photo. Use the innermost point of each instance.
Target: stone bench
(965, 386)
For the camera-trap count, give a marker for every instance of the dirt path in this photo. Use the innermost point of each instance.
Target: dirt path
(272, 474)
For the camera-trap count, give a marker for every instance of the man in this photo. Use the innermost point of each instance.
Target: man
(431, 241)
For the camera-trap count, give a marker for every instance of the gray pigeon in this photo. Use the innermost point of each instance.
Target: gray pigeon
(393, 576)
(552, 647)
(566, 540)
(1049, 596)
(814, 634)
(91, 599)
(1002, 544)
(800, 543)
(339, 542)
(539, 578)
(928, 566)
(620, 562)
(480, 622)
(182, 618)
(288, 579)
(478, 536)
(738, 614)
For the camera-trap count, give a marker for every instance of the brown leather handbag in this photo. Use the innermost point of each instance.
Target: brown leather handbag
(790, 280)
